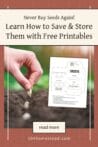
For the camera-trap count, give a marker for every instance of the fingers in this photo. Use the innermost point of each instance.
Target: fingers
(28, 59)
(35, 70)
(21, 78)
(34, 77)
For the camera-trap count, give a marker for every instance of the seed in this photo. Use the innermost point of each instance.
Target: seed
(29, 92)
(26, 116)
(26, 105)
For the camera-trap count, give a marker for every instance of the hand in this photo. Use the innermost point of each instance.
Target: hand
(14, 59)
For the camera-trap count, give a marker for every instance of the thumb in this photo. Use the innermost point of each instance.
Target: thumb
(21, 78)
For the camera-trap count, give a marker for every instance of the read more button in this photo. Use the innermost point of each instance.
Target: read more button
(48, 127)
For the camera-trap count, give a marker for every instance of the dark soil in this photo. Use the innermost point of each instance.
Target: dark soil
(39, 110)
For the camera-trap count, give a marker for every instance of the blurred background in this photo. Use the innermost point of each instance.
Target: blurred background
(43, 54)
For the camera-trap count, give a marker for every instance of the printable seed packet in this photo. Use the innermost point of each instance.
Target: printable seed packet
(68, 82)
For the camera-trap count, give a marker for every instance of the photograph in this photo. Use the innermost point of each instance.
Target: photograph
(48, 84)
